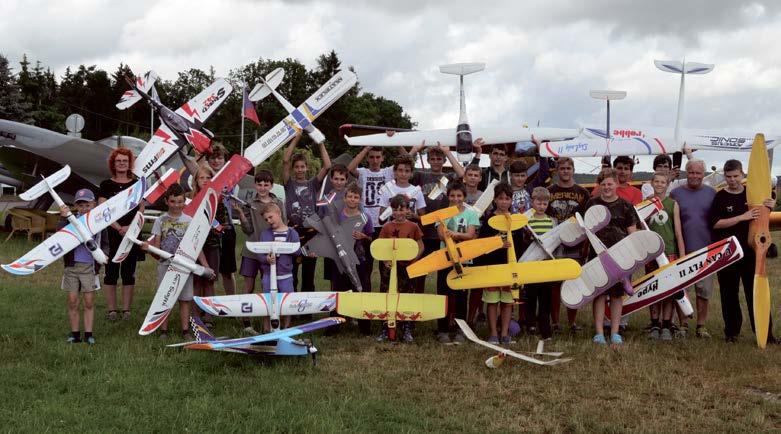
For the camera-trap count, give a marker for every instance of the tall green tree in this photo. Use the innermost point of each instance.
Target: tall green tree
(12, 103)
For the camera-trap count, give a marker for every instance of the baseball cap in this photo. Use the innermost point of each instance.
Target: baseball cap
(84, 195)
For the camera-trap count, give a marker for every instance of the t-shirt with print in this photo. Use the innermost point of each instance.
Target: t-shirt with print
(371, 185)
(416, 200)
(300, 199)
(460, 222)
(471, 199)
(663, 223)
(426, 180)
(564, 203)
(622, 216)
(170, 230)
(521, 201)
(695, 209)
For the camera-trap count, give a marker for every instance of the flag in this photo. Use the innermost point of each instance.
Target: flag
(249, 108)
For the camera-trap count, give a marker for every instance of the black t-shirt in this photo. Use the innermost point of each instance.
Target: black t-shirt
(622, 216)
(564, 203)
(727, 205)
(109, 189)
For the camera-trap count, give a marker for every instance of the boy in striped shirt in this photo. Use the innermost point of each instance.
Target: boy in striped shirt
(537, 297)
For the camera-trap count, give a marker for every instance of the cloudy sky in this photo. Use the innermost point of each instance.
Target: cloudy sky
(542, 56)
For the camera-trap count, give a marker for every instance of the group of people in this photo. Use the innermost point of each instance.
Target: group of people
(390, 201)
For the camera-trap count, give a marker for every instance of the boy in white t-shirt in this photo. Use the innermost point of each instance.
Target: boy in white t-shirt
(402, 172)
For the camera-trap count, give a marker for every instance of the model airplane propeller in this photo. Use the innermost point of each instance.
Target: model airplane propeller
(757, 191)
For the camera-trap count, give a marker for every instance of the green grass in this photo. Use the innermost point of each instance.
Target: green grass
(132, 383)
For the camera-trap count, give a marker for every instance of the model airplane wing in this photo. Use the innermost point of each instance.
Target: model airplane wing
(447, 136)
(301, 117)
(441, 259)
(596, 218)
(611, 266)
(225, 180)
(250, 305)
(162, 146)
(504, 351)
(518, 273)
(130, 97)
(378, 306)
(175, 278)
(66, 239)
(198, 109)
(268, 337)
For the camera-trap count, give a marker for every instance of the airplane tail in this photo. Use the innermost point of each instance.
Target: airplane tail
(272, 81)
(200, 332)
(132, 96)
(43, 187)
(131, 236)
(461, 68)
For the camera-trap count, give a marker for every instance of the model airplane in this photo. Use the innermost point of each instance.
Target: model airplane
(452, 255)
(276, 343)
(335, 240)
(273, 248)
(299, 119)
(496, 361)
(179, 128)
(182, 263)
(461, 137)
(611, 266)
(513, 273)
(251, 305)
(392, 306)
(79, 230)
(757, 191)
(682, 273)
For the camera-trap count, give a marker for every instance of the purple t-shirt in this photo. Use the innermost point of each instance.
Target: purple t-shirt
(695, 206)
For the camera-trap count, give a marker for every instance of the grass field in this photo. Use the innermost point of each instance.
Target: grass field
(130, 383)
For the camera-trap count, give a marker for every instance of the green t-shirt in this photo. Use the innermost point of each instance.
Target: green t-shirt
(663, 224)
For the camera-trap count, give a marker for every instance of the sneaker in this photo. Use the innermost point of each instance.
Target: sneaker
(616, 339)
(407, 335)
(383, 336)
(72, 340)
(111, 315)
(493, 340)
(459, 338)
(250, 331)
(654, 334)
(91, 340)
(667, 335)
(599, 339)
(731, 339)
(443, 338)
(163, 334)
(574, 327)
(703, 333)
(125, 315)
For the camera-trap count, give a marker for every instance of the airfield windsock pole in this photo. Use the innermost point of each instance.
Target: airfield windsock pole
(682, 68)
(607, 95)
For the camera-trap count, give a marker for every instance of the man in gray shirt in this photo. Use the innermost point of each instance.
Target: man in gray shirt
(694, 200)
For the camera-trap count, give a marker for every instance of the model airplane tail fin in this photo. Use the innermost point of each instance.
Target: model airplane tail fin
(143, 83)
(507, 223)
(442, 214)
(387, 249)
(51, 181)
(130, 238)
(677, 67)
(200, 332)
(272, 81)
(461, 68)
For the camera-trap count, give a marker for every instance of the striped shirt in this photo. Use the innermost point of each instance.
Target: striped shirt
(540, 225)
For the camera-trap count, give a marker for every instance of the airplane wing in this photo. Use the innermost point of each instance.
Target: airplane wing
(518, 273)
(249, 305)
(268, 337)
(447, 136)
(198, 109)
(66, 239)
(551, 241)
(306, 113)
(162, 146)
(226, 179)
(130, 96)
(376, 306)
(441, 258)
(469, 334)
(176, 277)
(611, 266)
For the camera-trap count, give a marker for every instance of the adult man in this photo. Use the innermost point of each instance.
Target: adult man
(566, 198)
(730, 216)
(695, 200)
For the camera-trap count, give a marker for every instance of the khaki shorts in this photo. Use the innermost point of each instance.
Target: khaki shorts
(704, 288)
(80, 278)
(187, 288)
(498, 295)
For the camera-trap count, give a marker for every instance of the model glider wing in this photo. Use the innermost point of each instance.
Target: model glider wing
(268, 337)
(441, 259)
(517, 273)
(202, 106)
(504, 351)
(158, 150)
(447, 136)
(249, 305)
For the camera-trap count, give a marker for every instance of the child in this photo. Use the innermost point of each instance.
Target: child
(204, 287)
(227, 251)
(667, 223)
(399, 227)
(362, 235)
(338, 181)
(168, 231)
(80, 274)
(623, 221)
(402, 172)
(537, 297)
(460, 227)
(300, 198)
(521, 198)
(499, 299)
(253, 227)
(277, 231)
(472, 177)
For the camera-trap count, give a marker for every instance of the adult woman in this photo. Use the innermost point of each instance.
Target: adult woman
(120, 163)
